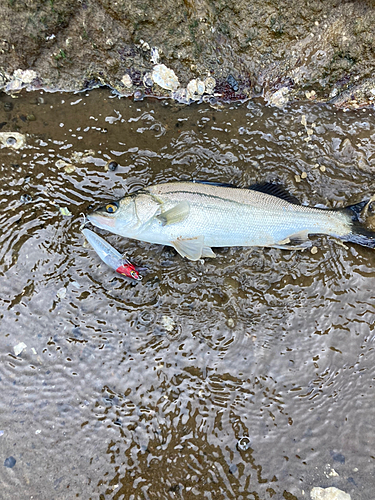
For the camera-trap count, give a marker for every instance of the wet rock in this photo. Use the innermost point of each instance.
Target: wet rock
(165, 77)
(308, 44)
(10, 462)
(329, 494)
(112, 165)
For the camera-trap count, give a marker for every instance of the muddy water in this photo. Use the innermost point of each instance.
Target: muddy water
(247, 376)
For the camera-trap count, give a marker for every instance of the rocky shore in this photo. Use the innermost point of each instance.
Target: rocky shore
(193, 49)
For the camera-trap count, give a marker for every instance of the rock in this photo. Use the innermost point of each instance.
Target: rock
(168, 323)
(61, 293)
(19, 348)
(329, 494)
(165, 77)
(10, 462)
(65, 212)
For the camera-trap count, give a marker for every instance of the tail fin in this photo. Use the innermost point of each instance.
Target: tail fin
(363, 223)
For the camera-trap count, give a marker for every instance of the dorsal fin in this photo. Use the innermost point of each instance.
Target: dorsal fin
(275, 190)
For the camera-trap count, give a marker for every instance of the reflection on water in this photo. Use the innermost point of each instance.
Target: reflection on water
(132, 390)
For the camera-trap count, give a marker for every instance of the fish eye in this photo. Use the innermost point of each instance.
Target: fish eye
(111, 208)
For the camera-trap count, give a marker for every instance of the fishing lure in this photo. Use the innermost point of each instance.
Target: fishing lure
(111, 256)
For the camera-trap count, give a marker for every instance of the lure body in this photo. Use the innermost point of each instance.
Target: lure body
(111, 256)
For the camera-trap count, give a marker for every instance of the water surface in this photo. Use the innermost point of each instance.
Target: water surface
(143, 390)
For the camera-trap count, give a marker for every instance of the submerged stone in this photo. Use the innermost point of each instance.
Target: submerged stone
(10, 462)
(329, 494)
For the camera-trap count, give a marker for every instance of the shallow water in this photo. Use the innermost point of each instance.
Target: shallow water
(142, 390)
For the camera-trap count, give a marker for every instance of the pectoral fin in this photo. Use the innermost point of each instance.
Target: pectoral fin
(191, 248)
(175, 214)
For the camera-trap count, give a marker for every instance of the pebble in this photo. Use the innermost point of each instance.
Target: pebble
(314, 250)
(165, 77)
(303, 175)
(19, 348)
(230, 322)
(328, 494)
(168, 323)
(61, 293)
(10, 462)
(65, 212)
(244, 443)
(8, 106)
(112, 165)
(322, 168)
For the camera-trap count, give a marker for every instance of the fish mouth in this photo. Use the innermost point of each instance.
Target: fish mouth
(101, 221)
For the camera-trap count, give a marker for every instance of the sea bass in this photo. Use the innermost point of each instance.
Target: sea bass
(193, 217)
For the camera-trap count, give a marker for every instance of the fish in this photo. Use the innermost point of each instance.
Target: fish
(194, 217)
(111, 256)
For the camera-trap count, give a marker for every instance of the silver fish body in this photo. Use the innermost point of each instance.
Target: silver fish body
(193, 217)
